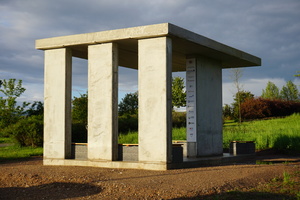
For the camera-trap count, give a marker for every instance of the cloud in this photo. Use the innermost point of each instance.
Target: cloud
(269, 29)
(253, 85)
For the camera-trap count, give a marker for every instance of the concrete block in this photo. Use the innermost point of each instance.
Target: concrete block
(79, 151)
(242, 147)
(128, 152)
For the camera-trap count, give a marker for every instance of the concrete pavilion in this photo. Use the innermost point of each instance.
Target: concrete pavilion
(156, 51)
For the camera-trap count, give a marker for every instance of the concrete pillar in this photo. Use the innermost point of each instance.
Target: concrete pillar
(103, 102)
(155, 109)
(209, 107)
(57, 103)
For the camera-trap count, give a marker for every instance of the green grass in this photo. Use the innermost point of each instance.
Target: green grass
(5, 140)
(132, 136)
(129, 138)
(281, 133)
(15, 152)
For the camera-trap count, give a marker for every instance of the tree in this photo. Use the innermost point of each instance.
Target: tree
(240, 98)
(178, 92)
(289, 92)
(37, 108)
(10, 112)
(271, 92)
(227, 112)
(79, 110)
(129, 104)
(298, 75)
(236, 74)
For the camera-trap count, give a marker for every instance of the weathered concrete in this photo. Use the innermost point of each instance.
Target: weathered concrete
(155, 109)
(103, 102)
(185, 43)
(187, 163)
(156, 51)
(209, 107)
(57, 103)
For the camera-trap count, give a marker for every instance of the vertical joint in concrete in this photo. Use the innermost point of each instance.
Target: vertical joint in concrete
(103, 102)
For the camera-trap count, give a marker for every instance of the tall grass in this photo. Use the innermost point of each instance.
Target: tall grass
(281, 133)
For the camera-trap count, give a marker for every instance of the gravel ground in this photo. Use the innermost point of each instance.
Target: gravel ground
(31, 180)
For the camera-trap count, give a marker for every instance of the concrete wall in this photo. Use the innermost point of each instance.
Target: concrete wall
(57, 103)
(155, 109)
(209, 107)
(103, 102)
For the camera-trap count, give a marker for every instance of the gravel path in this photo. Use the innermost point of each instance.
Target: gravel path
(31, 180)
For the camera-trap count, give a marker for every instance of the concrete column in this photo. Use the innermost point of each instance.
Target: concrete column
(209, 107)
(103, 102)
(155, 109)
(57, 103)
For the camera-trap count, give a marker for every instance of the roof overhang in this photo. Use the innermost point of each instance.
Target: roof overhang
(184, 43)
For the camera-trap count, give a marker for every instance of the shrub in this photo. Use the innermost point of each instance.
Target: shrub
(27, 131)
(263, 108)
(79, 132)
(128, 123)
(178, 119)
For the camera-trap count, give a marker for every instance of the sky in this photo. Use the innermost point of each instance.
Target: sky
(268, 29)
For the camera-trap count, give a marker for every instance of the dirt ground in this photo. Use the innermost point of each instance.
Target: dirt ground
(31, 180)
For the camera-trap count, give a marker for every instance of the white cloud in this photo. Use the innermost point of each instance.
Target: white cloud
(255, 86)
(269, 29)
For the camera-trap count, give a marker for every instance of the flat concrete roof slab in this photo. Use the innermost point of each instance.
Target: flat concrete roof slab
(185, 43)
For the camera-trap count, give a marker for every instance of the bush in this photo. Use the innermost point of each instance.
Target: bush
(178, 119)
(27, 131)
(287, 144)
(128, 123)
(79, 132)
(263, 108)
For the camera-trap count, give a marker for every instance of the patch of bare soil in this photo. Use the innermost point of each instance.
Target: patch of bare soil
(32, 180)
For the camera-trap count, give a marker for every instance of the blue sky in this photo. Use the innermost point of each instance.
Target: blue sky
(269, 29)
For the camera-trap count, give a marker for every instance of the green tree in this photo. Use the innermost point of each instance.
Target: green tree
(298, 75)
(271, 91)
(79, 109)
(178, 92)
(227, 112)
(289, 92)
(240, 97)
(37, 108)
(129, 104)
(10, 112)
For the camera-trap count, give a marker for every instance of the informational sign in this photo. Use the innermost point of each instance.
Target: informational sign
(191, 122)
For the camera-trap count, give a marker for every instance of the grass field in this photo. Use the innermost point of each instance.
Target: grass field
(15, 152)
(281, 133)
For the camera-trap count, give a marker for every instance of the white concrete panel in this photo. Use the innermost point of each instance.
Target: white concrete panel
(155, 110)
(103, 101)
(209, 107)
(57, 103)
